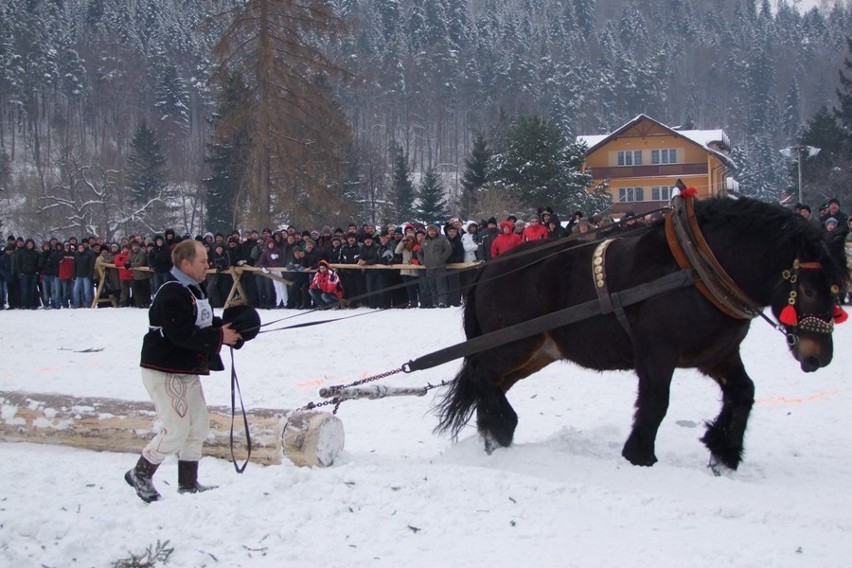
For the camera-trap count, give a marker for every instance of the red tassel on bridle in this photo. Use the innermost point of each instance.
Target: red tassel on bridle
(788, 316)
(689, 192)
(839, 315)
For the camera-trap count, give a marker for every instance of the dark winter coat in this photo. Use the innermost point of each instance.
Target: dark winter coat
(50, 262)
(333, 254)
(350, 254)
(174, 343)
(84, 264)
(26, 261)
(160, 259)
(219, 261)
(5, 267)
(371, 254)
(457, 255)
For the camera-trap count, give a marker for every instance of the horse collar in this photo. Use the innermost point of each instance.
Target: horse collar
(691, 251)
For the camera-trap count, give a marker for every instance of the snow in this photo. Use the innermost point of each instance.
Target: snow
(399, 495)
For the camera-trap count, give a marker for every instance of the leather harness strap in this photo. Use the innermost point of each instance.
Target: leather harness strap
(691, 250)
(608, 303)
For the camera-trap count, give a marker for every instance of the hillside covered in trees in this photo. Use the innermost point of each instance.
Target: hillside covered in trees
(122, 115)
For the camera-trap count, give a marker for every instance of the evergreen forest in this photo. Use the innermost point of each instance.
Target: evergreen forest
(132, 115)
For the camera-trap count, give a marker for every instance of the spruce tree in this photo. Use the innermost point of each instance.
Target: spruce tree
(541, 168)
(475, 174)
(146, 166)
(432, 201)
(402, 187)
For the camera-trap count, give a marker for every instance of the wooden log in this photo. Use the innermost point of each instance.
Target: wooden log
(114, 425)
(371, 392)
(313, 438)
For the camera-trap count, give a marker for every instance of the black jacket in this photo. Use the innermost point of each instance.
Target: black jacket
(160, 259)
(174, 344)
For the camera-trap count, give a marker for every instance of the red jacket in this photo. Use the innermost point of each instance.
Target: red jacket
(120, 260)
(67, 267)
(535, 232)
(328, 283)
(504, 242)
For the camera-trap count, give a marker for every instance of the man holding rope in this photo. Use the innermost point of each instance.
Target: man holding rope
(183, 342)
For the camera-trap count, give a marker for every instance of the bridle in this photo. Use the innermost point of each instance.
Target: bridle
(790, 316)
(691, 251)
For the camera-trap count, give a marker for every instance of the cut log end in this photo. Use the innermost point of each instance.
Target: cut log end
(313, 438)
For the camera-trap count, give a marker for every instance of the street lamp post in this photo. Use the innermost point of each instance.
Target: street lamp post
(798, 153)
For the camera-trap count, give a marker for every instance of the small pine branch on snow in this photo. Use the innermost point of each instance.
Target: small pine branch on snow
(153, 556)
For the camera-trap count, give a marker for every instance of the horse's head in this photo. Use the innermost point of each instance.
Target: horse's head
(806, 304)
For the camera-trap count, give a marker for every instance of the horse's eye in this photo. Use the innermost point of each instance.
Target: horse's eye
(808, 292)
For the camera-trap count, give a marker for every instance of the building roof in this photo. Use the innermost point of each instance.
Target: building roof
(704, 138)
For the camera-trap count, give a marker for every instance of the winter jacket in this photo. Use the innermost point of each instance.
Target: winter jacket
(333, 254)
(50, 262)
(407, 256)
(328, 283)
(434, 253)
(486, 242)
(5, 267)
(535, 232)
(121, 260)
(67, 266)
(174, 343)
(139, 259)
(219, 261)
(271, 257)
(470, 246)
(26, 261)
(505, 241)
(160, 259)
(371, 254)
(84, 264)
(458, 249)
(350, 254)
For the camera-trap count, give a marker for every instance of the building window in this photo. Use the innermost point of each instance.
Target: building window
(668, 156)
(631, 194)
(661, 193)
(630, 158)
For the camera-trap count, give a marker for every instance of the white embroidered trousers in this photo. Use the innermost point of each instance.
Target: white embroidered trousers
(182, 413)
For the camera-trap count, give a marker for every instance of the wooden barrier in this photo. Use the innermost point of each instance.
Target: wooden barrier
(237, 294)
(106, 424)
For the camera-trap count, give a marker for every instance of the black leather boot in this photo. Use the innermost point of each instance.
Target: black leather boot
(140, 478)
(188, 478)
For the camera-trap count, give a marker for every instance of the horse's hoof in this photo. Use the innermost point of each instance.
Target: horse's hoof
(636, 457)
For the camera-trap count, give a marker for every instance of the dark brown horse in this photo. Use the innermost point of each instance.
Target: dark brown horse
(776, 259)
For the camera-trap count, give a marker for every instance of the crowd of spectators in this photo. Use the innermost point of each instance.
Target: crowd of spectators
(300, 269)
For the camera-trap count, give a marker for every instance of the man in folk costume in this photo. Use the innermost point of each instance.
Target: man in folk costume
(183, 342)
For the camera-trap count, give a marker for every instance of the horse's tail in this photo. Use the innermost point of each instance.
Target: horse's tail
(460, 401)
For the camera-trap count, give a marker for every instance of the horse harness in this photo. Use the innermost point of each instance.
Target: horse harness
(693, 254)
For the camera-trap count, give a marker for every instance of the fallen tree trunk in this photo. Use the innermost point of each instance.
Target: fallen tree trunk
(106, 424)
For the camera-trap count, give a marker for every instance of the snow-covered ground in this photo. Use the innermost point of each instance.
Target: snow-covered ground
(400, 496)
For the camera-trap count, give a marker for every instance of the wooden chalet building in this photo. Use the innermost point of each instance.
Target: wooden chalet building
(641, 161)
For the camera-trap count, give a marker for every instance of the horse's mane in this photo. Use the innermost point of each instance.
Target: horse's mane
(750, 217)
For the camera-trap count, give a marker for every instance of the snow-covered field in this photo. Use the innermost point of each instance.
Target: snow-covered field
(400, 496)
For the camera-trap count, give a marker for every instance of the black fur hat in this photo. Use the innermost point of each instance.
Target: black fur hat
(243, 319)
